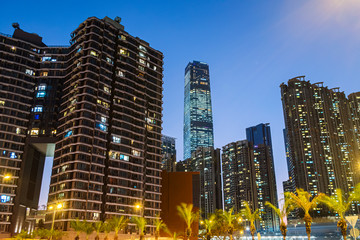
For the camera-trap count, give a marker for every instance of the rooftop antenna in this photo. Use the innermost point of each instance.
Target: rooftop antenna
(117, 19)
(16, 25)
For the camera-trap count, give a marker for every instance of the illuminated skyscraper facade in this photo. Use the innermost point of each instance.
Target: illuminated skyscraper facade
(249, 175)
(30, 83)
(198, 120)
(206, 161)
(320, 137)
(354, 100)
(96, 106)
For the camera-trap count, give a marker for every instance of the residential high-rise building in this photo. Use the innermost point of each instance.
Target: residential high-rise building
(206, 161)
(30, 83)
(100, 101)
(198, 121)
(259, 137)
(249, 175)
(354, 100)
(320, 138)
(168, 152)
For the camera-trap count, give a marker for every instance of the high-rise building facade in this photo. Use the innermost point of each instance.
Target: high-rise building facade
(259, 137)
(29, 100)
(354, 100)
(320, 138)
(206, 161)
(108, 155)
(100, 101)
(198, 120)
(168, 151)
(249, 175)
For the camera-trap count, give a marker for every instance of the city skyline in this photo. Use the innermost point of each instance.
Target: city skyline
(302, 52)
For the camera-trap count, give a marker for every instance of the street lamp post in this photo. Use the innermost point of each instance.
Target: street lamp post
(57, 207)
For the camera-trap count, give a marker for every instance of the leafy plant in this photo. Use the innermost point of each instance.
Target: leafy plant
(141, 225)
(159, 225)
(187, 213)
(78, 227)
(250, 216)
(304, 200)
(118, 223)
(282, 213)
(340, 205)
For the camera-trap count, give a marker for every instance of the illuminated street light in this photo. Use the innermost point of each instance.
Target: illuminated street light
(7, 176)
(201, 222)
(53, 207)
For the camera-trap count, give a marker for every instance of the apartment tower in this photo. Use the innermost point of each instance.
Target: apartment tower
(320, 138)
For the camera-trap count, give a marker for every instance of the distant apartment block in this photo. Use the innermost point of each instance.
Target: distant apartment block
(168, 151)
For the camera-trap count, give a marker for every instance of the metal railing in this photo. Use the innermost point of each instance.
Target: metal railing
(5, 35)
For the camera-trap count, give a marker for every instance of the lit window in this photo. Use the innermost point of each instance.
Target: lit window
(142, 61)
(53, 59)
(123, 52)
(68, 133)
(106, 89)
(37, 116)
(2, 103)
(34, 132)
(122, 37)
(141, 68)
(53, 132)
(13, 48)
(79, 49)
(4, 198)
(29, 72)
(103, 119)
(136, 153)
(44, 74)
(38, 109)
(101, 126)
(120, 73)
(109, 60)
(13, 155)
(142, 48)
(46, 59)
(78, 64)
(93, 53)
(154, 68)
(40, 94)
(18, 130)
(116, 139)
(142, 54)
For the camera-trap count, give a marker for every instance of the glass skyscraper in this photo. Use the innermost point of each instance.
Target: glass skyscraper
(198, 122)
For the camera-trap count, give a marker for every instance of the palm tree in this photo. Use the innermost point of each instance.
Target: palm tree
(209, 225)
(282, 213)
(98, 227)
(229, 220)
(107, 227)
(88, 229)
(187, 213)
(159, 225)
(302, 200)
(78, 227)
(250, 216)
(141, 224)
(118, 223)
(340, 205)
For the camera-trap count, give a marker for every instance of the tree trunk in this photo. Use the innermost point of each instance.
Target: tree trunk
(308, 221)
(156, 235)
(343, 227)
(116, 236)
(283, 229)
(252, 230)
(142, 236)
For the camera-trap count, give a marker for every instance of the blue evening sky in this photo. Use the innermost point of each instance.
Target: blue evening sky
(251, 47)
